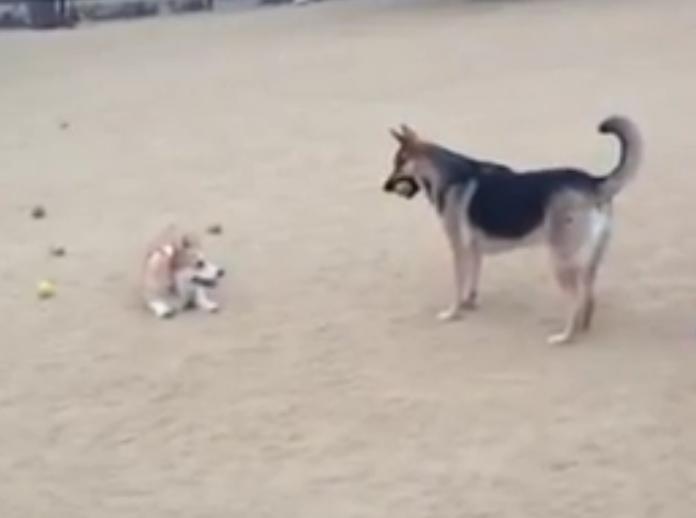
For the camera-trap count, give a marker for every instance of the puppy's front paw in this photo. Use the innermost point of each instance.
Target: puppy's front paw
(162, 310)
(204, 302)
(210, 307)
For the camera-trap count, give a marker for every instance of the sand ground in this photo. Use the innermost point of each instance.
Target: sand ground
(326, 388)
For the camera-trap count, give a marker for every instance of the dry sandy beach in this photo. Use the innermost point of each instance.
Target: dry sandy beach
(326, 388)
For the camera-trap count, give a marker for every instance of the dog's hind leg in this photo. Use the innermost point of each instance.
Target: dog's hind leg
(600, 243)
(579, 235)
(572, 280)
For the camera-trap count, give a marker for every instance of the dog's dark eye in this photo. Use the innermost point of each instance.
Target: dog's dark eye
(200, 264)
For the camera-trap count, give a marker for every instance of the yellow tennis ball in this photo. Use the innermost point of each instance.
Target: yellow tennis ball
(45, 289)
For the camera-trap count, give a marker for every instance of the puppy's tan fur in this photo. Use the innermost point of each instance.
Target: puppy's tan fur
(176, 274)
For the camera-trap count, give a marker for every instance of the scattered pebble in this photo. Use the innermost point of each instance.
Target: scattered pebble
(57, 251)
(215, 229)
(38, 212)
(45, 289)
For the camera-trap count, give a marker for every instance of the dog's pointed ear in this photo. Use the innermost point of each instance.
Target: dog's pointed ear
(397, 136)
(408, 134)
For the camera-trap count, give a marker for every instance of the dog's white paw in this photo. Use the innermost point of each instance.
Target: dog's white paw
(162, 310)
(559, 339)
(204, 302)
(211, 307)
(450, 314)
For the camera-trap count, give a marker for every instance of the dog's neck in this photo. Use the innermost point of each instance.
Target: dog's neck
(440, 170)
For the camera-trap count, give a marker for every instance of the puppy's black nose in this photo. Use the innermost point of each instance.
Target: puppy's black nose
(221, 272)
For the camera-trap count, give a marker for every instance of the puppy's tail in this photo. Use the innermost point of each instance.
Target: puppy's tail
(630, 157)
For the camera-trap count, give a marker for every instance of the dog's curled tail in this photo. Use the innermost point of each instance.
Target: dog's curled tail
(630, 155)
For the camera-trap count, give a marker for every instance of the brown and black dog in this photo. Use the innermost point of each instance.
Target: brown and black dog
(487, 207)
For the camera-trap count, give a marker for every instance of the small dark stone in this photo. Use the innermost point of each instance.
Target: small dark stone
(38, 212)
(215, 229)
(58, 251)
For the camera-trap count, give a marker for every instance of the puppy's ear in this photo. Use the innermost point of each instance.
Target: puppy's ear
(188, 241)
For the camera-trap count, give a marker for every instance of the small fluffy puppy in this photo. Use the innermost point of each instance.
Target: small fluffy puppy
(178, 276)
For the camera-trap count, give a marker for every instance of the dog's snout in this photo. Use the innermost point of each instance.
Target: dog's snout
(221, 273)
(388, 186)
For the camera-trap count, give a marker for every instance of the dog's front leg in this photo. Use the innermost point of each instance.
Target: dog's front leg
(204, 302)
(454, 236)
(466, 256)
(473, 273)
(467, 270)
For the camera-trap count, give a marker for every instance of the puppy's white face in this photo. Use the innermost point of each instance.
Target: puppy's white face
(194, 268)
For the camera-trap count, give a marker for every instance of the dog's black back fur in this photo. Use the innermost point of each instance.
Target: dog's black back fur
(505, 204)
